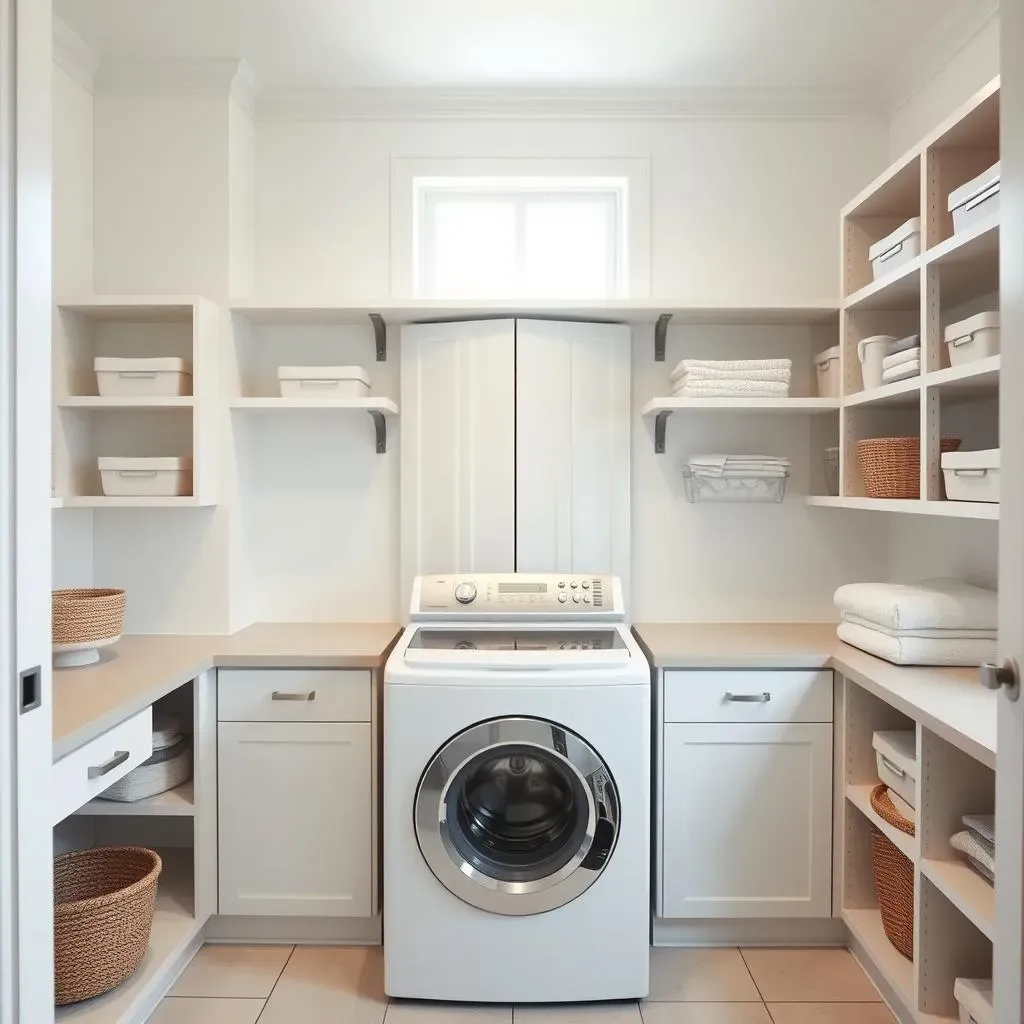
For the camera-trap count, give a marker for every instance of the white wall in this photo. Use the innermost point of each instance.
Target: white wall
(954, 84)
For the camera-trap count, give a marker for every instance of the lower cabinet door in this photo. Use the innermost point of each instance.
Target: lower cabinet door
(747, 821)
(295, 819)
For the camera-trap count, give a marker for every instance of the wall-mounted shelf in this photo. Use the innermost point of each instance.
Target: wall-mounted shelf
(661, 408)
(950, 509)
(175, 803)
(379, 409)
(96, 402)
(111, 501)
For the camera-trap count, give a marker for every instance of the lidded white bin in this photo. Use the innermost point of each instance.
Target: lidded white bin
(160, 377)
(975, 998)
(977, 201)
(160, 477)
(871, 352)
(897, 248)
(977, 337)
(323, 381)
(972, 476)
(896, 758)
(826, 365)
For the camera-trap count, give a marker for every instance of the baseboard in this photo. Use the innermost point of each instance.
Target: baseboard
(776, 931)
(338, 931)
(893, 999)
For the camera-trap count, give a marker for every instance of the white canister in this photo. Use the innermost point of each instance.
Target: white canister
(826, 365)
(871, 352)
(977, 337)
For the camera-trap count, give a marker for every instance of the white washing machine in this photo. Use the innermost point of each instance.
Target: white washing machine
(517, 739)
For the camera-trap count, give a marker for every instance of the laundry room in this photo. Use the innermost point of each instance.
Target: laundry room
(513, 527)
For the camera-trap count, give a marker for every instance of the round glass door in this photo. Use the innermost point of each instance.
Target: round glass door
(516, 815)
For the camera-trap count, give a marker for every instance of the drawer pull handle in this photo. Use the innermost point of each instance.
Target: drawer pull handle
(748, 698)
(894, 768)
(282, 695)
(97, 771)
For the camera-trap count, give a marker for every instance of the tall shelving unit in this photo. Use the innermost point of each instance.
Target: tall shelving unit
(956, 275)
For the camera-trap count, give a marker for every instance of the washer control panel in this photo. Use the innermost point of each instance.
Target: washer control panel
(511, 594)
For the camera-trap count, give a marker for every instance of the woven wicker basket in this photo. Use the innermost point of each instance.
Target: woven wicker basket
(166, 769)
(891, 466)
(894, 875)
(103, 912)
(80, 616)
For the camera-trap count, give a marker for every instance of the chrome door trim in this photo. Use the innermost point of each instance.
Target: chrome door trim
(466, 880)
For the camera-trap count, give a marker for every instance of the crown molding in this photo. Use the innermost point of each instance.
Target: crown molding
(572, 104)
(215, 77)
(245, 89)
(938, 48)
(73, 55)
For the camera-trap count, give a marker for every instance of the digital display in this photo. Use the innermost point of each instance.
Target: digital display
(522, 588)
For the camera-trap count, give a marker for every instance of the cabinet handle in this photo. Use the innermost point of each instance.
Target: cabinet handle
(281, 695)
(97, 771)
(748, 698)
(894, 768)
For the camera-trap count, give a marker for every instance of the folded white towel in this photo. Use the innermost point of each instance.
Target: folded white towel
(931, 604)
(731, 364)
(732, 389)
(902, 372)
(912, 650)
(907, 355)
(734, 460)
(702, 373)
(911, 341)
(966, 842)
(923, 633)
(983, 824)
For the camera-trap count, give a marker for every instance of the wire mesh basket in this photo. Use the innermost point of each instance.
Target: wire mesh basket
(734, 489)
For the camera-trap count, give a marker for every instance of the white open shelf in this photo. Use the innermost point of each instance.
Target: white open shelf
(898, 290)
(951, 509)
(897, 970)
(385, 406)
(98, 402)
(901, 392)
(178, 803)
(114, 501)
(860, 797)
(971, 894)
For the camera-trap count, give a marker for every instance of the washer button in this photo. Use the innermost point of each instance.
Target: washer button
(562, 598)
(585, 584)
(586, 599)
(576, 598)
(561, 583)
(574, 584)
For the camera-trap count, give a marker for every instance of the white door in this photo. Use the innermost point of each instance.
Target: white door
(747, 821)
(572, 447)
(458, 448)
(295, 819)
(1009, 985)
(26, 846)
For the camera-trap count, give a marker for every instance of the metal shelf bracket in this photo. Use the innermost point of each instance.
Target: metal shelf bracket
(380, 336)
(660, 420)
(380, 426)
(660, 332)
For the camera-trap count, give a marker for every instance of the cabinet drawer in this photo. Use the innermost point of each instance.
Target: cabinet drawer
(739, 696)
(293, 695)
(88, 771)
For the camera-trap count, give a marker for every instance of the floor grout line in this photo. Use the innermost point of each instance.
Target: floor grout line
(750, 974)
(273, 988)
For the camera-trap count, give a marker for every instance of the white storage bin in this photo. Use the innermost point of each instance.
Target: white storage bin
(871, 352)
(903, 245)
(827, 366)
(164, 377)
(971, 476)
(323, 381)
(977, 201)
(977, 337)
(975, 998)
(896, 757)
(150, 477)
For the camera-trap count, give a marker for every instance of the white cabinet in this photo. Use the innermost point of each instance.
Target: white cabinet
(515, 447)
(296, 821)
(746, 820)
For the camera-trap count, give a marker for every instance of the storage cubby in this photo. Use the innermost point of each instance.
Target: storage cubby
(870, 421)
(88, 425)
(860, 324)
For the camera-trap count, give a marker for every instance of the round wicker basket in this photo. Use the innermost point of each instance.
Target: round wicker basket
(81, 616)
(894, 875)
(891, 466)
(886, 810)
(103, 913)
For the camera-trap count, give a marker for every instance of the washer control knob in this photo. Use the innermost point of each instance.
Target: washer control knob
(574, 584)
(562, 598)
(576, 598)
(586, 599)
(561, 584)
(465, 593)
(585, 584)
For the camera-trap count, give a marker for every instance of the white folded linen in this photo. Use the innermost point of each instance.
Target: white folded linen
(702, 373)
(732, 389)
(738, 459)
(730, 364)
(902, 372)
(913, 650)
(931, 604)
(911, 341)
(907, 355)
(924, 633)
(967, 843)
(983, 824)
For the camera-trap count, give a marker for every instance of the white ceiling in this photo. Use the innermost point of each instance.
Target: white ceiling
(642, 44)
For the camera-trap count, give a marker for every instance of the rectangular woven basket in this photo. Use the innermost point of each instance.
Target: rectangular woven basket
(891, 466)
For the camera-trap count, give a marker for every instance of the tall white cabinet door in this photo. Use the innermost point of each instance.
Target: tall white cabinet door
(296, 827)
(458, 448)
(747, 821)
(572, 447)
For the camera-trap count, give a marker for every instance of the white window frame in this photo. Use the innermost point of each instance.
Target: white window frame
(555, 177)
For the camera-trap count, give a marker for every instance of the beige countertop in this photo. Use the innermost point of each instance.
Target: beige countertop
(139, 670)
(951, 702)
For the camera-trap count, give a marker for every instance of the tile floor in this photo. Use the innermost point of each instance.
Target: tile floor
(344, 985)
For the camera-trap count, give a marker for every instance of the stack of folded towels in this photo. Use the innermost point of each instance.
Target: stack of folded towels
(978, 843)
(732, 378)
(738, 466)
(903, 360)
(937, 622)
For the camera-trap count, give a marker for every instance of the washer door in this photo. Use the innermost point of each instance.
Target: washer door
(516, 815)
